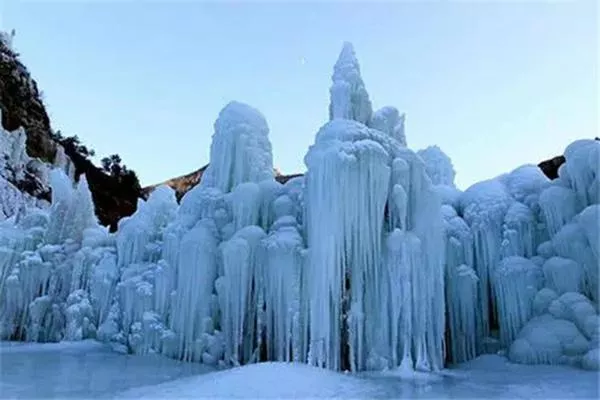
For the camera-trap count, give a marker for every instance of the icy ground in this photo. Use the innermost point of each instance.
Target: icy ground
(90, 370)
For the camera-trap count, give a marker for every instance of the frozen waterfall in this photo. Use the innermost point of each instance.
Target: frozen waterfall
(372, 260)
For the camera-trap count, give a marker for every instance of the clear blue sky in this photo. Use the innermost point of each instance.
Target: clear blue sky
(495, 85)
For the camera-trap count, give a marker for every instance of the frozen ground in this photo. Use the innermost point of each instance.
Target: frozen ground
(88, 370)
(85, 369)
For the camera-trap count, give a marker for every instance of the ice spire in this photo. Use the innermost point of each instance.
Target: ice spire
(349, 97)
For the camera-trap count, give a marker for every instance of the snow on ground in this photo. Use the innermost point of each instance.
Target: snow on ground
(90, 370)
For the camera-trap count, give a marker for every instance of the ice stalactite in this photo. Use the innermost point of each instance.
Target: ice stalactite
(559, 206)
(516, 281)
(425, 220)
(519, 232)
(346, 191)
(348, 183)
(245, 201)
(582, 171)
(462, 292)
(238, 296)
(138, 245)
(283, 262)
(403, 254)
(483, 207)
(191, 319)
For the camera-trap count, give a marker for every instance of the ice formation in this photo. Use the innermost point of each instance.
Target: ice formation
(372, 260)
(349, 97)
(353, 172)
(48, 266)
(390, 121)
(438, 165)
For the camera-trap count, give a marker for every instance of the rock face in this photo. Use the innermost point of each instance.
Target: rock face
(181, 185)
(22, 107)
(550, 167)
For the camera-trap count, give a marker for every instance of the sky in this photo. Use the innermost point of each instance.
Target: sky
(494, 84)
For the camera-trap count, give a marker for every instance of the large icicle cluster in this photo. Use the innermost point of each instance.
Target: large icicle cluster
(533, 246)
(342, 268)
(371, 260)
(353, 172)
(49, 275)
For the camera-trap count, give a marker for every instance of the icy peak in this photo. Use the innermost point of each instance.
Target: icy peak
(240, 150)
(349, 97)
(347, 55)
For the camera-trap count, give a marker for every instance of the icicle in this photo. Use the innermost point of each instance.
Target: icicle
(516, 281)
(461, 297)
(519, 237)
(483, 207)
(559, 206)
(236, 295)
(283, 263)
(197, 270)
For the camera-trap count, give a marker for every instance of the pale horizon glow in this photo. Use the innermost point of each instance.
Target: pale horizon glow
(494, 85)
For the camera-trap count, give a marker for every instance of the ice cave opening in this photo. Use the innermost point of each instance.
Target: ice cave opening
(371, 260)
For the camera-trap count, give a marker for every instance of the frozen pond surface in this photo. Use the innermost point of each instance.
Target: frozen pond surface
(91, 370)
(81, 370)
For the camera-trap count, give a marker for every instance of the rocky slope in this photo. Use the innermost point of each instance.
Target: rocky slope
(22, 107)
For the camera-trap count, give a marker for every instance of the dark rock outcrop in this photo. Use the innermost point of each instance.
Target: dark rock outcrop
(550, 167)
(22, 106)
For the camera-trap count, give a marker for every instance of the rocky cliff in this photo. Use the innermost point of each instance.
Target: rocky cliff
(22, 107)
